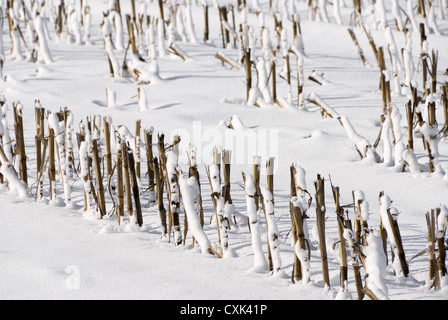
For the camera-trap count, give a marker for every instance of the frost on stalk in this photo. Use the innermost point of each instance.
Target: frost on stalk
(362, 206)
(6, 139)
(349, 236)
(189, 22)
(387, 143)
(178, 17)
(116, 21)
(432, 21)
(142, 101)
(410, 159)
(111, 98)
(322, 5)
(260, 263)
(256, 6)
(2, 51)
(44, 51)
(145, 72)
(190, 194)
(395, 60)
(106, 29)
(380, 10)
(174, 196)
(397, 14)
(318, 77)
(6, 168)
(215, 178)
(74, 27)
(301, 252)
(127, 136)
(87, 23)
(273, 232)
(16, 51)
(161, 38)
(59, 133)
(430, 132)
(220, 207)
(375, 265)
(399, 146)
(302, 195)
(2, 131)
(408, 62)
(411, 15)
(84, 162)
(337, 11)
(266, 44)
(362, 145)
(69, 144)
(285, 50)
(151, 39)
(385, 211)
(263, 81)
(442, 220)
(97, 127)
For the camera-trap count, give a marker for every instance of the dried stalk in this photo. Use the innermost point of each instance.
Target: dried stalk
(341, 241)
(226, 174)
(159, 185)
(206, 24)
(358, 48)
(444, 98)
(108, 154)
(131, 35)
(193, 172)
(20, 141)
(127, 179)
(354, 256)
(432, 270)
(300, 270)
(135, 189)
(256, 178)
(248, 69)
(270, 175)
(120, 190)
(99, 178)
(51, 163)
(399, 244)
(384, 84)
(149, 160)
(137, 149)
(320, 215)
(296, 213)
(441, 266)
(215, 195)
(227, 60)
(371, 42)
(39, 138)
(433, 71)
(224, 32)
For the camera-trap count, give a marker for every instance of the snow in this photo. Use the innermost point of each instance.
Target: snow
(376, 266)
(260, 262)
(56, 250)
(189, 194)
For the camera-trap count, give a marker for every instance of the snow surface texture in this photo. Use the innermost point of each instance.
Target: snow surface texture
(55, 250)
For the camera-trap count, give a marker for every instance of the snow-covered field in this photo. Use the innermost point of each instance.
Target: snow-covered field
(55, 250)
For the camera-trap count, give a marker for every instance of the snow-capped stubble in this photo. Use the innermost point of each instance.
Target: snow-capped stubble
(243, 143)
